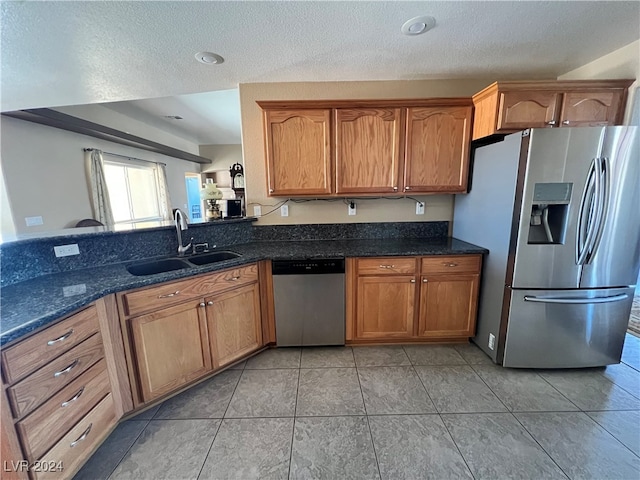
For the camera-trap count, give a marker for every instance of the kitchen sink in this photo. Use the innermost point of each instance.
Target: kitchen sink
(213, 257)
(157, 266)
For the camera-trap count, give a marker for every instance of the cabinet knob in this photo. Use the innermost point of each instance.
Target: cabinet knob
(202, 304)
(424, 280)
(271, 190)
(407, 188)
(395, 189)
(552, 122)
(413, 280)
(566, 122)
(209, 303)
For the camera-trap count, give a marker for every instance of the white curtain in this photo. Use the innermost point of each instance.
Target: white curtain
(163, 192)
(99, 191)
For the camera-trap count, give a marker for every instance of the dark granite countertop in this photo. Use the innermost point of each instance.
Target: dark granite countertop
(30, 305)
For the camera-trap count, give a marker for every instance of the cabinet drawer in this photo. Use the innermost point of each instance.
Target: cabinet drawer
(454, 264)
(75, 446)
(34, 352)
(45, 426)
(386, 265)
(155, 298)
(27, 394)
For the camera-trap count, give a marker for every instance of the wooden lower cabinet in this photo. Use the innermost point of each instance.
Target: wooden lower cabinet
(219, 321)
(172, 348)
(437, 302)
(385, 306)
(448, 305)
(234, 324)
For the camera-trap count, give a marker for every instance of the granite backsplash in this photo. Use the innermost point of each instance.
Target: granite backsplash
(26, 259)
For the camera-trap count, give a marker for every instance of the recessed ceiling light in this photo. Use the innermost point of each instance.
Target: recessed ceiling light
(418, 25)
(209, 58)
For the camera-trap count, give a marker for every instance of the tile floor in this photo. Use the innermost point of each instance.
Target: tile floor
(390, 412)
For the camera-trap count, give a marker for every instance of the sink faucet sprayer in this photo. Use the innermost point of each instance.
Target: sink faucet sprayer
(181, 224)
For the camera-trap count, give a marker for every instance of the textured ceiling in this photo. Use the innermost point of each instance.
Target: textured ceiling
(140, 55)
(207, 118)
(64, 53)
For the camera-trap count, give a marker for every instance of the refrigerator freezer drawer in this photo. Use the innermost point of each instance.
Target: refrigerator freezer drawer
(566, 328)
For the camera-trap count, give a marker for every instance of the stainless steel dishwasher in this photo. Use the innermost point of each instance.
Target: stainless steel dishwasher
(309, 302)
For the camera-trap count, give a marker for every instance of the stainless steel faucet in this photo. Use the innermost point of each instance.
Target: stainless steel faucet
(181, 224)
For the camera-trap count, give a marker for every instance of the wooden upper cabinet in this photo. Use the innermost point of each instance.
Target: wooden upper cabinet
(368, 150)
(520, 110)
(505, 107)
(437, 149)
(298, 151)
(590, 109)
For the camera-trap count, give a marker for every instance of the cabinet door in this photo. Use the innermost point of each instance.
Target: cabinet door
(437, 149)
(298, 151)
(519, 110)
(591, 109)
(171, 348)
(448, 305)
(385, 307)
(368, 150)
(234, 320)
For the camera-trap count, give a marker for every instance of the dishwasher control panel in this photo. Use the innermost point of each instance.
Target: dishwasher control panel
(308, 266)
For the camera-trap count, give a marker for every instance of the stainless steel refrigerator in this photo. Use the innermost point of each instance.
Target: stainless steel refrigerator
(559, 211)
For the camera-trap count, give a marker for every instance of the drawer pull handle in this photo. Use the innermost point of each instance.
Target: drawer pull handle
(60, 339)
(169, 295)
(67, 369)
(81, 437)
(387, 266)
(452, 264)
(233, 279)
(72, 399)
(209, 303)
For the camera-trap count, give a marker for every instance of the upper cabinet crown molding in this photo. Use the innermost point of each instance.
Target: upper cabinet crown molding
(367, 147)
(505, 107)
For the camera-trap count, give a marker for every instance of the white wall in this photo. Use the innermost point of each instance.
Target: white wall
(44, 173)
(623, 63)
(222, 156)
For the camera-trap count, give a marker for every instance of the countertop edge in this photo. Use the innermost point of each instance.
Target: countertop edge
(132, 282)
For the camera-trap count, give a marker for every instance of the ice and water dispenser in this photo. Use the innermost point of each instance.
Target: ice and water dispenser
(549, 210)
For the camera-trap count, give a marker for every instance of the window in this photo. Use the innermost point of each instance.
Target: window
(133, 191)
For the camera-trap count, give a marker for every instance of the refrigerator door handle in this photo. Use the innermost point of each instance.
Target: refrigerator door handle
(615, 298)
(602, 205)
(585, 216)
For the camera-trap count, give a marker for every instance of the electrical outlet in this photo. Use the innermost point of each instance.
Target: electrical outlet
(66, 250)
(257, 211)
(492, 341)
(33, 221)
(352, 208)
(419, 208)
(284, 211)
